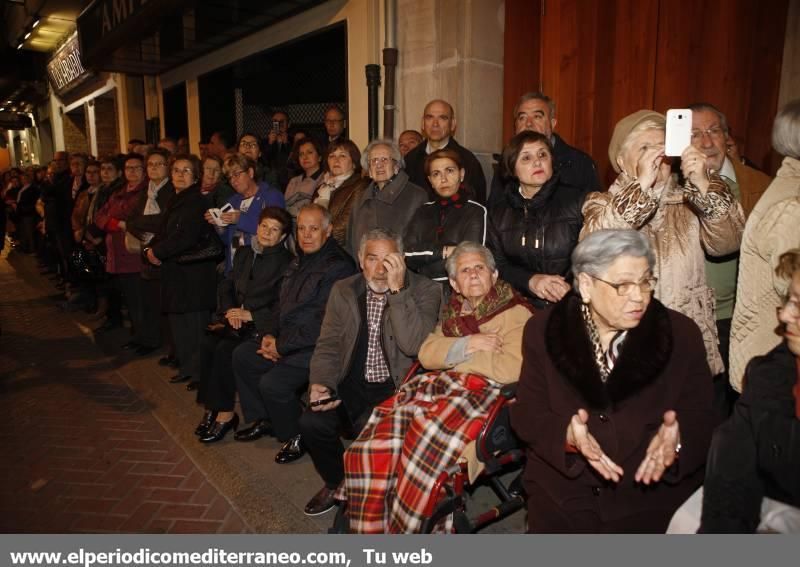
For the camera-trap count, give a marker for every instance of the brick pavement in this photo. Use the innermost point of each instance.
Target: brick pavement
(82, 451)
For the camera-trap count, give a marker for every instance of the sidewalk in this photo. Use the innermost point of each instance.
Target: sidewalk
(97, 440)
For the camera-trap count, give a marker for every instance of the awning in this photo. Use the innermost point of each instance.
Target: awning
(148, 37)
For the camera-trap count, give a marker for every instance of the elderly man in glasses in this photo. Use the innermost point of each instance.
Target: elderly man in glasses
(390, 200)
(710, 136)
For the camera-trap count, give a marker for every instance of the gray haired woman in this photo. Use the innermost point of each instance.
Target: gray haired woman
(614, 387)
(390, 200)
(682, 223)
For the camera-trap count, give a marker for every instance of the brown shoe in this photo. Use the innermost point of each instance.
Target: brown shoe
(321, 502)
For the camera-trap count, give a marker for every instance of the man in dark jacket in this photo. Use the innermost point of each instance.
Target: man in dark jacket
(537, 112)
(270, 374)
(438, 127)
(374, 325)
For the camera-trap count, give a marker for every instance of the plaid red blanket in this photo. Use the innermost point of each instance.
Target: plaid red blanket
(408, 441)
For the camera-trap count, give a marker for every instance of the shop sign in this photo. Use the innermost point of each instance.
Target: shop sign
(106, 25)
(66, 69)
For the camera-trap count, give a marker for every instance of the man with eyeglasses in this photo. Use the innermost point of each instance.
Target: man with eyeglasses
(438, 127)
(710, 136)
(335, 123)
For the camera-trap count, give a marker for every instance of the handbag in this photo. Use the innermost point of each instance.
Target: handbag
(208, 248)
(132, 244)
(88, 264)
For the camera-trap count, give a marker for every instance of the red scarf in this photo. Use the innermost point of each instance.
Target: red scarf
(500, 298)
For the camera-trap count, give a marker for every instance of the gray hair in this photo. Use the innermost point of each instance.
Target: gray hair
(380, 234)
(598, 251)
(535, 96)
(393, 148)
(327, 219)
(468, 247)
(786, 130)
(707, 106)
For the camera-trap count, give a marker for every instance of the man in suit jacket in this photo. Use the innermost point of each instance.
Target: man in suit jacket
(438, 127)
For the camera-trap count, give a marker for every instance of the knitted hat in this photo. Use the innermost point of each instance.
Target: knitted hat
(624, 127)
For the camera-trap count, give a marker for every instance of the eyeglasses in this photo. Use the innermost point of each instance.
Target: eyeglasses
(715, 133)
(380, 160)
(183, 171)
(248, 145)
(234, 174)
(647, 285)
(792, 307)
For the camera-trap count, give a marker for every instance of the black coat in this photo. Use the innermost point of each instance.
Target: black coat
(572, 165)
(661, 366)
(139, 223)
(473, 178)
(536, 236)
(304, 294)
(756, 453)
(57, 200)
(26, 205)
(464, 220)
(255, 283)
(191, 287)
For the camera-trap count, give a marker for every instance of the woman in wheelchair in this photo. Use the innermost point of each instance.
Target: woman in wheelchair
(433, 418)
(614, 398)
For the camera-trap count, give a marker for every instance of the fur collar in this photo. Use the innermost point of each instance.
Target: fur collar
(645, 353)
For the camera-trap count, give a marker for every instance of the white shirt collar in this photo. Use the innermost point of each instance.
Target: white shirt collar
(727, 170)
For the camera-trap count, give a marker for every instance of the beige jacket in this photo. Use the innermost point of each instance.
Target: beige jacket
(501, 367)
(772, 228)
(682, 226)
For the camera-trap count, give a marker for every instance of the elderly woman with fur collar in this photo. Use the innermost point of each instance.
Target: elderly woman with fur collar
(683, 223)
(614, 398)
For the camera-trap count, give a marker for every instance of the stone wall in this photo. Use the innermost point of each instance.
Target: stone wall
(105, 119)
(76, 135)
(453, 49)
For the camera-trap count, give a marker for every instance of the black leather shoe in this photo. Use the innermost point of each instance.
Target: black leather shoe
(177, 379)
(108, 326)
(258, 430)
(145, 350)
(131, 345)
(218, 431)
(291, 451)
(166, 360)
(206, 423)
(192, 385)
(321, 502)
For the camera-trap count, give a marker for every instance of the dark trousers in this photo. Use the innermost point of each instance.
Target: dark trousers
(269, 390)
(217, 389)
(724, 394)
(322, 430)
(149, 333)
(188, 330)
(130, 288)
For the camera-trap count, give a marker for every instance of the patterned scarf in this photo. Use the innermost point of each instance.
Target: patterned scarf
(500, 298)
(605, 360)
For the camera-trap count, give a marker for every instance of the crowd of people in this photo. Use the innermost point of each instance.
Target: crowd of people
(304, 277)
